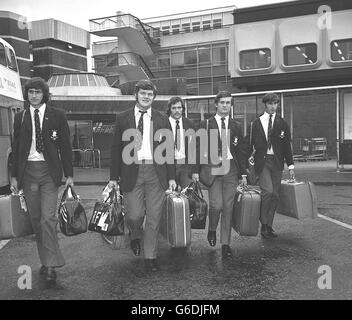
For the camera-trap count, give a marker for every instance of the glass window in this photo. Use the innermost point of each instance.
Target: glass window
(177, 59)
(176, 29)
(91, 80)
(11, 59)
(166, 30)
(4, 121)
(341, 50)
(196, 26)
(255, 59)
(206, 25)
(74, 81)
(67, 80)
(191, 57)
(2, 55)
(204, 55)
(300, 54)
(60, 80)
(164, 60)
(186, 27)
(83, 80)
(219, 55)
(217, 23)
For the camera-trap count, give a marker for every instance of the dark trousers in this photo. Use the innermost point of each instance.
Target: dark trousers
(41, 195)
(221, 200)
(269, 182)
(145, 200)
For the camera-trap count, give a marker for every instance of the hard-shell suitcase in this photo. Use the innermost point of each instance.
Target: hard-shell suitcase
(14, 221)
(297, 200)
(246, 210)
(175, 223)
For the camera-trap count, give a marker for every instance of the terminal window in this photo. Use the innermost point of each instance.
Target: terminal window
(206, 25)
(186, 27)
(300, 54)
(255, 59)
(341, 50)
(166, 30)
(2, 55)
(196, 26)
(176, 29)
(217, 23)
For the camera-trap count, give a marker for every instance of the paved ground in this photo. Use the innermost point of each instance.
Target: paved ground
(284, 268)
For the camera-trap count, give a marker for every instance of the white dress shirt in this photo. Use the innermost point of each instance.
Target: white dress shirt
(34, 155)
(145, 153)
(181, 153)
(264, 119)
(218, 121)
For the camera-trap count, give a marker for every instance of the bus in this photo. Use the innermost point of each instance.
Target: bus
(11, 101)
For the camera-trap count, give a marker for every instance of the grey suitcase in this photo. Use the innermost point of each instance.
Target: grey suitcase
(14, 221)
(246, 211)
(175, 223)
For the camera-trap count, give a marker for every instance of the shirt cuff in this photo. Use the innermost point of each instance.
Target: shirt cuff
(291, 167)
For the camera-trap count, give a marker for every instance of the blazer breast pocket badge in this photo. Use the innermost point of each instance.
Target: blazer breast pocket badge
(282, 134)
(54, 135)
(235, 141)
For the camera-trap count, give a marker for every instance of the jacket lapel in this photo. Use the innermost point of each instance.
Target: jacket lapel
(131, 120)
(261, 129)
(27, 121)
(47, 115)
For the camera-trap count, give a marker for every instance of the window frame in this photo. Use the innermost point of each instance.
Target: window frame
(304, 64)
(254, 69)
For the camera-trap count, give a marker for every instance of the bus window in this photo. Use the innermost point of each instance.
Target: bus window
(2, 55)
(11, 59)
(4, 122)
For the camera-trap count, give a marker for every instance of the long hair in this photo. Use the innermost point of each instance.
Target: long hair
(173, 101)
(37, 83)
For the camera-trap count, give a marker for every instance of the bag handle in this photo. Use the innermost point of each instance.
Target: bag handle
(250, 139)
(64, 195)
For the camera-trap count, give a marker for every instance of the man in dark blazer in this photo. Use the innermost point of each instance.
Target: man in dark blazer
(271, 146)
(42, 152)
(143, 177)
(232, 154)
(184, 133)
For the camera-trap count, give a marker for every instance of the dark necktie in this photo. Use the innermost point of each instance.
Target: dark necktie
(270, 127)
(39, 145)
(140, 122)
(223, 139)
(177, 136)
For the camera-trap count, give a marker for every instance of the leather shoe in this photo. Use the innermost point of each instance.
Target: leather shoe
(264, 231)
(136, 247)
(51, 275)
(271, 232)
(151, 265)
(212, 238)
(226, 251)
(43, 271)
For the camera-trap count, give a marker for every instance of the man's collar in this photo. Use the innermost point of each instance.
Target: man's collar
(137, 109)
(219, 117)
(268, 115)
(174, 120)
(41, 108)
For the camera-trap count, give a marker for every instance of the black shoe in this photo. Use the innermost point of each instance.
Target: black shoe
(136, 247)
(271, 232)
(212, 238)
(226, 251)
(51, 275)
(43, 271)
(264, 231)
(151, 265)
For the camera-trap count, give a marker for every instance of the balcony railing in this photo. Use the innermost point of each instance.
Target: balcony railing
(111, 62)
(152, 35)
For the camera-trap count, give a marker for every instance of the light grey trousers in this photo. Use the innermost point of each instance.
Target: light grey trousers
(41, 195)
(145, 200)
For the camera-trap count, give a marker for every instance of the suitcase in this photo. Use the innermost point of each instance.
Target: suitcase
(246, 210)
(175, 225)
(297, 200)
(14, 221)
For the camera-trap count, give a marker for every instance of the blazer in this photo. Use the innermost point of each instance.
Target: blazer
(280, 140)
(126, 172)
(57, 152)
(238, 147)
(188, 124)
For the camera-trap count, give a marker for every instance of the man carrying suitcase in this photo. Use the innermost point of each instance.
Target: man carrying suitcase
(143, 179)
(232, 155)
(271, 144)
(41, 152)
(185, 155)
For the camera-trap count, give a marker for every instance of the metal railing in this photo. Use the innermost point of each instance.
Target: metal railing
(152, 35)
